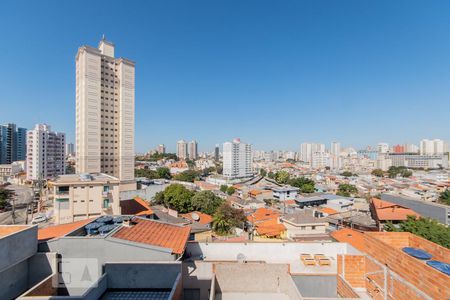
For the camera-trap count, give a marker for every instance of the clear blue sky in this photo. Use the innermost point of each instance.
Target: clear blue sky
(275, 73)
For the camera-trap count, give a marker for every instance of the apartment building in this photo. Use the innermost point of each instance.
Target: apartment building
(70, 149)
(83, 196)
(105, 92)
(45, 153)
(237, 159)
(431, 147)
(193, 150)
(161, 149)
(182, 149)
(307, 150)
(12, 143)
(216, 153)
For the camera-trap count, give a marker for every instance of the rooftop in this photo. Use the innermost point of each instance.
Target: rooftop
(10, 229)
(303, 217)
(57, 231)
(156, 234)
(390, 211)
(84, 178)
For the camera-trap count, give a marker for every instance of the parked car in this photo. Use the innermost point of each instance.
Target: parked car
(39, 219)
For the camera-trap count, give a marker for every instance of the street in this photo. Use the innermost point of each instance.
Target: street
(24, 196)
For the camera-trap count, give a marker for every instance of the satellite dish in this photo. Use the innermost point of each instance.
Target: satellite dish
(241, 258)
(195, 216)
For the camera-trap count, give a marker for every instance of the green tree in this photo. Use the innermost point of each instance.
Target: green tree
(271, 175)
(226, 218)
(177, 197)
(206, 202)
(231, 190)
(263, 173)
(305, 185)
(150, 174)
(444, 197)
(346, 190)
(5, 196)
(378, 173)
(163, 173)
(347, 174)
(425, 227)
(223, 188)
(282, 177)
(188, 175)
(393, 172)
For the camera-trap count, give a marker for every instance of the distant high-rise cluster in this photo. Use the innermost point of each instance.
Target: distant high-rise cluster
(193, 150)
(45, 153)
(431, 147)
(12, 143)
(187, 150)
(104, 112)
(161, 149)
(216, 153)
(237, 159)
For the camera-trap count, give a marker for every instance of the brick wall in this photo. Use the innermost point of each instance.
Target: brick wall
(344, 289)
(439, 253)
(354, 269)
(394, 239)
(428, 280)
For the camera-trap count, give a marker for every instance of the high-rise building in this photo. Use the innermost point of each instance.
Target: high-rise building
(216, 153)
(320, 160)
(182, 149)
(13, 145)
(307, 149)
(45, 153)
(70, 149)
(161, 149)
(105, 112)
(383, 148)
(398, 149)
(411, 148)
(431, 147)
(193, 150)
(237, 159)
(335, 157)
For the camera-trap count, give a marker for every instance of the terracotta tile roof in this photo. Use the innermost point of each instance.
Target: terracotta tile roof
(262, 214)
(289, 202)
(205, 186)
(156, 234)
(144, 204)
(328, 211)
(350, 236)
(204, 218)
(387, 211)
(10, 229)
(57, 231)
(270, 228)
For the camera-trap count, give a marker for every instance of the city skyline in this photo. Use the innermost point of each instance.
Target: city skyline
(321, 74)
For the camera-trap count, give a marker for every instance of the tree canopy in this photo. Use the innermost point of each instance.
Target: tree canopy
(5, 196)
(282, 177)
(305, 185)
(160, 173)
(393, 172)
(425, 227)
(188, 175)
(378, 173)
(444, 197)
(206, 202)
(346, 190)
(226, 218)
(177, 197)
(231, 190)
(347, 174)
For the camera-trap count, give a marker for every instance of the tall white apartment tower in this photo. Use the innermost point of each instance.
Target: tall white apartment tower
(335, 152)
(193, 150)
(237, 159)
(182, 149)
(104, 112)
(45, 153)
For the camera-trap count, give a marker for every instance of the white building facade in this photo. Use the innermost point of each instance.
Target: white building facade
(237, 159)
(182, 149)
(45, 153)
(193, 150)
(105, 92)
(431, 147)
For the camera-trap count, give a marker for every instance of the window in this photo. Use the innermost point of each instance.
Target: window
(313, 227)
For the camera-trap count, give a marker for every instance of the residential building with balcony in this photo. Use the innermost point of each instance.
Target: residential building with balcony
(237, 159)
(12, 143)
(83, 196)
(45, 153)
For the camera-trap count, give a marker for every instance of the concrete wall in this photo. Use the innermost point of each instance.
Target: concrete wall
(41, 265)
(143, 275)
(269, 252)
(107, 250)
(320, 286)
(14, 280)
(198, 275)
(17, 247)
(431, 210)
